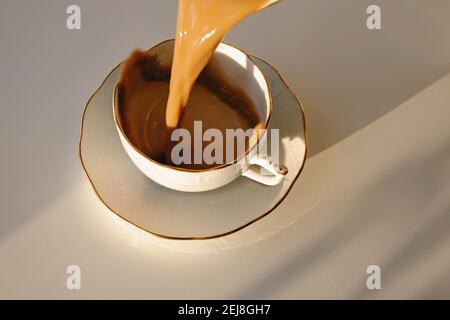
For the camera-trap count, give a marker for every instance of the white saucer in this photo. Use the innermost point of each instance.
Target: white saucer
(186, 216)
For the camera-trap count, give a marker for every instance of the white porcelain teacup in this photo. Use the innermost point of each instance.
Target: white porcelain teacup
(240, 69)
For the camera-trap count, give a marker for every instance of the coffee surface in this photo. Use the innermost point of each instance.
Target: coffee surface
(142, 108)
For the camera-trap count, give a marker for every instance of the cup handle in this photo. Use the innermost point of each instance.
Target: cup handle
(278, 171)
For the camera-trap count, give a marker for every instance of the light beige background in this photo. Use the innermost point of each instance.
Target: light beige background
(375, 189)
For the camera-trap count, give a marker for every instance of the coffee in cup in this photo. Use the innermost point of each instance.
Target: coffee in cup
(213, 103)
(235, 68)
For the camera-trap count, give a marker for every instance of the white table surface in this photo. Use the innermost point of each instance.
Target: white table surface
(375, 190)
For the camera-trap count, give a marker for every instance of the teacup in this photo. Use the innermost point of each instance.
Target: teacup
(237, 67)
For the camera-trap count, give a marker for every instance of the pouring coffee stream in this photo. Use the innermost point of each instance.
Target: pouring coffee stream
(201, 26)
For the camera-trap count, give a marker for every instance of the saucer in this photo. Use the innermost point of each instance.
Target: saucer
(187, 216)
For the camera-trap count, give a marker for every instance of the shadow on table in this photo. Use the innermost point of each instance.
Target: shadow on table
(383, 195)
(346, 75)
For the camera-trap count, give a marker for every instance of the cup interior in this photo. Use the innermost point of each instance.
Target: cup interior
(236, 70)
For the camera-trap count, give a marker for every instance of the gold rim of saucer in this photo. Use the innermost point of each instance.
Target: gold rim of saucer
(162, 236)
(118, 122)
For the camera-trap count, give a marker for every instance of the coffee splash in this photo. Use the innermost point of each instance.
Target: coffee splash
(201, 26)
(154, 100)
